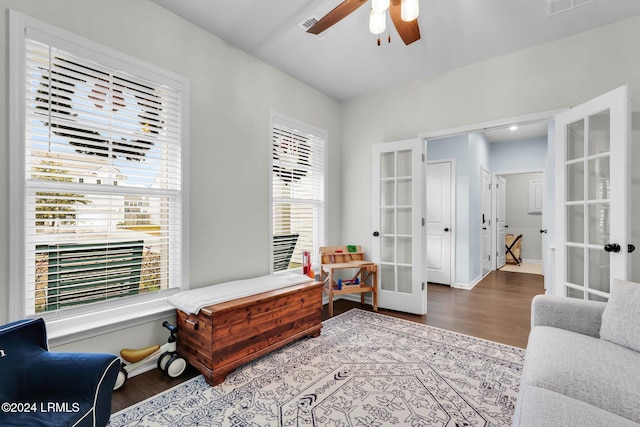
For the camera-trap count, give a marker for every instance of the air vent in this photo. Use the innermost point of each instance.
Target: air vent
(555, 7)
(310, 22)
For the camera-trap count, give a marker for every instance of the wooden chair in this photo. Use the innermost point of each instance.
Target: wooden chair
(365, 279)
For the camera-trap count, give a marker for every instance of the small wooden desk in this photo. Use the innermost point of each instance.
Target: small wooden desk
(334, 258)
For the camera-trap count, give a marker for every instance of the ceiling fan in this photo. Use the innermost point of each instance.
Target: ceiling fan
(404, 15)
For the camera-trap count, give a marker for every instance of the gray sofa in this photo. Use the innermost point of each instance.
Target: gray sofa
(582, 363)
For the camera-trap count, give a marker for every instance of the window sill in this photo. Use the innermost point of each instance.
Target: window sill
(87, 325)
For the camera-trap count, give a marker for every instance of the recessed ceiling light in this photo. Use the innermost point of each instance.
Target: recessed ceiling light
(514, 127)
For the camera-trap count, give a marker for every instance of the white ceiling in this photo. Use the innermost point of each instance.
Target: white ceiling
(520, 132)
(348, 63)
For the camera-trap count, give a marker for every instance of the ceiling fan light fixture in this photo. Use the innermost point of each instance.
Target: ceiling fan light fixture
(380, 5)
(409, 10)
(377, 21)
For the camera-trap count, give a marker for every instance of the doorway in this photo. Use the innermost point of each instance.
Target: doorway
(520, 233)
(474, 149)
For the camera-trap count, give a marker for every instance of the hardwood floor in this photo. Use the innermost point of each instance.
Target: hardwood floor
(497, 309)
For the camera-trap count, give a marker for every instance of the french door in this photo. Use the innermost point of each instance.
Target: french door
(592, 179)
(397, 219)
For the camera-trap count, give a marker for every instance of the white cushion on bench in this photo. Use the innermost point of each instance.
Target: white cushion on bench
(193, 300)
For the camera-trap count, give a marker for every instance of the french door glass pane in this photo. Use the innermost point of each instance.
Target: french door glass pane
(575, 224)
(599, 224)
(599, 178)
(387, 221)
(404, 163)
(387, 278)
(599, 133)
(594, 297)
(404, 192)
(388, 193)
(387, 165)
(405, 274)
(387, 249)
(574, 293)
(575, 266)
(575, 182)
(404, 221)
(599, 270)
(404, 250)
(575, 140)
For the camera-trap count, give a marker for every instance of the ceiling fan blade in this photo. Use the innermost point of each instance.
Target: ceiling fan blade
(337, 14)
(409, 31)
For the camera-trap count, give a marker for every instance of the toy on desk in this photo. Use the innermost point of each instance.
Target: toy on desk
(169, 362)
(341, 282)
(306, 265)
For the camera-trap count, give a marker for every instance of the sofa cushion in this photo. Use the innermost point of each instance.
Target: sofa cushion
(589, 369)
(540, 407)
(620, 323)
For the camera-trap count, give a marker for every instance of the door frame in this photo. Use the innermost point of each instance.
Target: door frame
(544, 217)
(452, 191)
(546, 116)
(490, 190)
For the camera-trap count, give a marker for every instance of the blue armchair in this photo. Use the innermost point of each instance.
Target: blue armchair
(42, 388)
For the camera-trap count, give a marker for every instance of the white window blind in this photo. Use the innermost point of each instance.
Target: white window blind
(102, 162)
(298, 191)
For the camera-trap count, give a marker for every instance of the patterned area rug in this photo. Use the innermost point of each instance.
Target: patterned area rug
(365, 369)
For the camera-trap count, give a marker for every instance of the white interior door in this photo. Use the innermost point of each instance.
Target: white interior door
(486, 221)
(501, 220)
(398, 238)
(592, 140)
(439, 222)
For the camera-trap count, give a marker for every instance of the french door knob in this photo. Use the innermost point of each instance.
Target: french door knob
(612, 247)
(446, 229)
(543, 231)
(376, 234)
(631, 248)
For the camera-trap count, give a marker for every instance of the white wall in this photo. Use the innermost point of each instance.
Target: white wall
(544, 78)
(522, 155)
(232, 94)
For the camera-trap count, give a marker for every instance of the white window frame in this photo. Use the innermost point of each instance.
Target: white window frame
(281, 119)
(93, 319)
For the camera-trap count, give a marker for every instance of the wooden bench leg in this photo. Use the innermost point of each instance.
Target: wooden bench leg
(331, 293)
(330, 303)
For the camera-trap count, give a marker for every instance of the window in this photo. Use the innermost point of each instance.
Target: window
(98, 145)
(297, 190)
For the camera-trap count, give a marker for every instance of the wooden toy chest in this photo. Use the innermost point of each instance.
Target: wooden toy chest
(223, 336)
